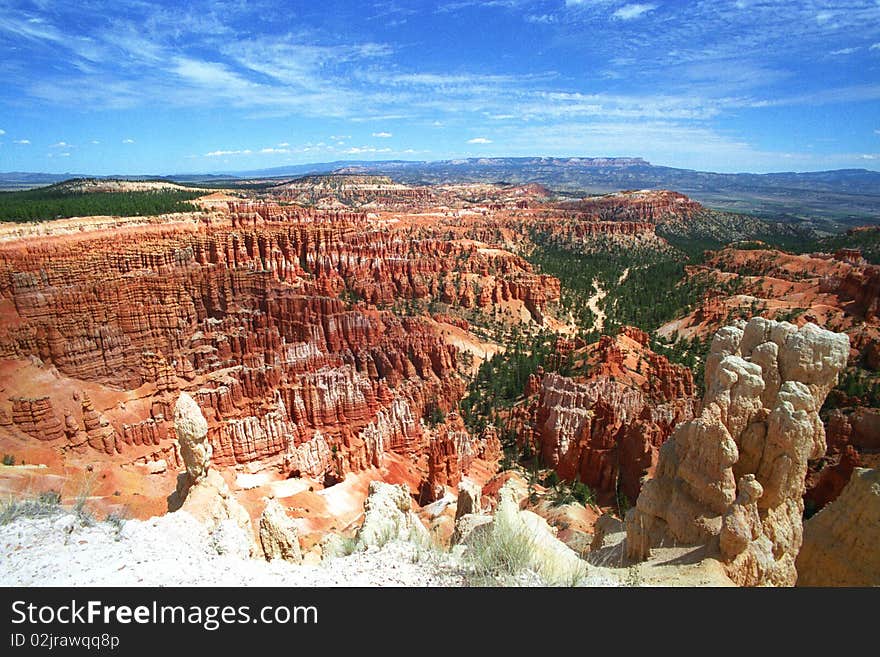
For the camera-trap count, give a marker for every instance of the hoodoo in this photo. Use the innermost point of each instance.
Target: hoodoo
(733, 477)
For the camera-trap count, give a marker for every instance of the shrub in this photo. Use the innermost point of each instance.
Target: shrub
(43, 505)
(501, 555)
(117, 521)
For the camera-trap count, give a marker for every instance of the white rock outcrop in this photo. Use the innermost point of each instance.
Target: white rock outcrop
(279, 537)
(201, 491)
(191, 429)
(388, 516)
(733, 477)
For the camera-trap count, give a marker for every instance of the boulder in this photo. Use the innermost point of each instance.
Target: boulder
(279, 537)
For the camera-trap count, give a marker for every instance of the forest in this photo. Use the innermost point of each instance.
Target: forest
(58, 202)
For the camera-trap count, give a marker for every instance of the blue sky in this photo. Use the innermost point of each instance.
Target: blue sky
(136, 87)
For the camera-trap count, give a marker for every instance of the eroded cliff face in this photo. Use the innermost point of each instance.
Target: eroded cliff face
(733, 477)
(276, 320)
(652, 206)
(606, 428)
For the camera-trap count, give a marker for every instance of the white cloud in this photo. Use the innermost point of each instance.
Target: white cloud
(479, 140)
(60, 144)
(21, 141)
(875, 46)
(340, 137)
(283, 144)
(128, 141)
(2, 132)
(866, 156)
(221, 153)
(824, 16)
(63, 154)
(95, 141)
(382, 135)
(357, 150)
(843, 51)
(268, 151)
(630, 12)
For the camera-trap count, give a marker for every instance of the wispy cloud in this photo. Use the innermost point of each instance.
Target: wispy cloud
(692, 65)
(60, 144)
(23, 142)
(360, 150)
(632, 11)
(224, 153)
(2, 132)
(128, 141)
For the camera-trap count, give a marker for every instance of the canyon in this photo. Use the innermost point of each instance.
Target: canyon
(278, 357)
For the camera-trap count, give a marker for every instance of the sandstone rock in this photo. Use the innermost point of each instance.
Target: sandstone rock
(469, 499)
(201, 490)
(157, 467)
(465, 526)
(212, 503)
(694, 498)
(606, 431)
(36, 417)
(605, 525)
(388, 517)
(191, 429)
(840, 542)
(100, 433)
(278, 534)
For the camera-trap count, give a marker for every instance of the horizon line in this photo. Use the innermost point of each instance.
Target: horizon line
(243, 173)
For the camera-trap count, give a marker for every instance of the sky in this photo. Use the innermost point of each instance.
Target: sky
(125, 87)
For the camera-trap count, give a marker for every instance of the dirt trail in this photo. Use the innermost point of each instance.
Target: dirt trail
(593, 304)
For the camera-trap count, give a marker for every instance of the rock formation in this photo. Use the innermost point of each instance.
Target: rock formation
(279, 537)
(606, 429)
(201, 490)
(733, 477)
(469, 499)
(840, 542)
(269, 317)
(388, 516)
(645, 206)
(191, 429)
(37, 418)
